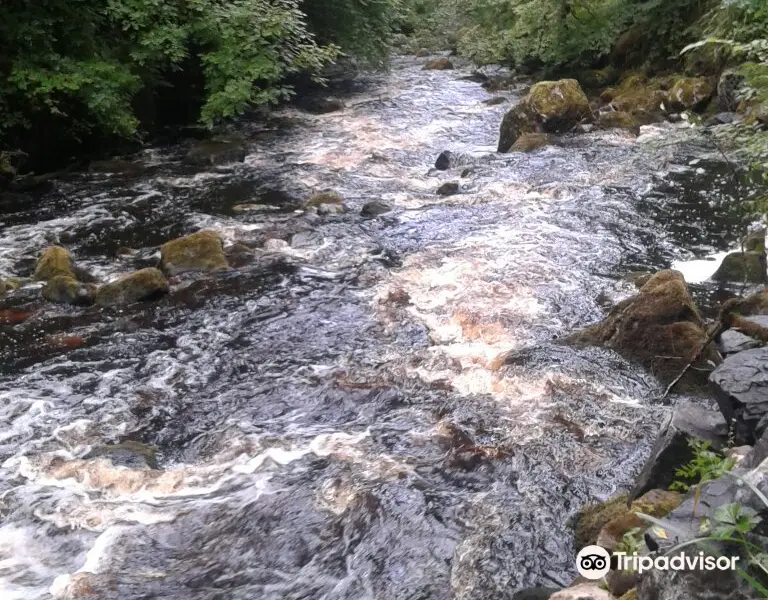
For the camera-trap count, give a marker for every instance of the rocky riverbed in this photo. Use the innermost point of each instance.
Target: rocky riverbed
(353, 382)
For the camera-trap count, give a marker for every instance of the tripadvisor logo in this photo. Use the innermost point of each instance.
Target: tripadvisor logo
(594, 562)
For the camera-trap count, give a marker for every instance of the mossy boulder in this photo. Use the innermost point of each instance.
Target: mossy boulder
(53, 262)
(146, 284)
(638, 95)
(549, 107)
(616, 119)
(691, 93)
(217, 151)
(15, 283)
(605, 523)
(64, 289)
(747, 267)
(660, 328)
(528, 142)
(438, 64)
(754, 241)
(593, 79)
(201, 251)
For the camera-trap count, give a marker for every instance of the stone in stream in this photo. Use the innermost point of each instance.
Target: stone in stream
(549, 107)
(201, 251)
(672, 450)
(64, 289)
(3, 288)
(54, 261)
(217, 151)
(438, 64)
(321, 106)
(450, 188)
(691, 93)
(660, 328)
(741, 391)
(324, 197)
(747, 267)
(375, 208)
(732, 341)
(495, 101)
(146, 284)
(528, 142)
(445, 161)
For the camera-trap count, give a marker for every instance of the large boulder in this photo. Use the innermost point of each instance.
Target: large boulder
(64, 289)
(749, 267)
(638, 96)
(691, 93)
(549, 107)
(201, 251)
(660, 328)
(672, 448)
(54, 261)
(741, 390)
(146, 284)
(217, 151)
(438, 64)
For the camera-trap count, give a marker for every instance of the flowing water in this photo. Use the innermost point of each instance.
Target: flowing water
(377, 408)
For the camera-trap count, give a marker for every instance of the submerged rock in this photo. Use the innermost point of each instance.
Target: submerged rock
(146, 284)
(438, 64)
(375, 208)
(495, 101)
(201, 251)
(54, 261)
(743, 267)
(528, 142)
(322, 106)
(660, 328)
(217, 151)
(549, 107)
(741, 391)
(450, 188)
(118, 166)
(64, 289)
(672, 450)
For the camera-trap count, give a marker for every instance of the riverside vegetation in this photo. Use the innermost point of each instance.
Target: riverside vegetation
(82, 79)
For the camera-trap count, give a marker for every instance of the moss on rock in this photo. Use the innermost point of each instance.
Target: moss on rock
(592, 518)
(691, 93)
(630, 595)
(438, 64)
(146, 284)
(549, 107)
(325, 197)
(54, 261)
(63, 289)
(201, 251)
(618, 120)
(636, 94)
(529, 142)
(742, 267)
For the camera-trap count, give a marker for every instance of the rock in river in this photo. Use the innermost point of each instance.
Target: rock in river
(63, 289)
(201, 251)
(438, 64)
(217, 151)
(741, 390)
(54, 261)
(742, 267)
(549, 107)
(146, 284)
(660, 327)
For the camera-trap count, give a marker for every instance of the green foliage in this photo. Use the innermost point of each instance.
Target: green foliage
(731, 521)
(630, 542)
(705, 466)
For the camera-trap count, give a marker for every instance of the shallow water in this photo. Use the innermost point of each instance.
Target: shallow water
(381, 409)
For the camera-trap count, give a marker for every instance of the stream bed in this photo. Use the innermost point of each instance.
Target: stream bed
(373, 408)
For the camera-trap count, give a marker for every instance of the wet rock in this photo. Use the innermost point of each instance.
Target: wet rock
(528, 142)
(537, 593)
(660, 328)
(691, 93)
(422, 53)
(239, 255)
(582, 591)
(741, 390)
(146, 284)
(201, 251)
(63, 289)
(593, 79)
(740, 267)
(549, 107)
(655, 502)
(639, 96)
(445, 161)
(616, 119)
(672, 450)
(728, 87)
(322, 106)
(592, 518)
(722, 118)
(620, 582)
(54, 261)
(325, 197)
(754, 241)
(217, 151)
(3, 287)
(732, 341)
(129, 454)
(438, 64)
(495, 101)
(375, 208)
(118, 166)
(638, 278)
(449, 188)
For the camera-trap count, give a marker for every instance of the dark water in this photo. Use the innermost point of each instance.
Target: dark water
(337, 419)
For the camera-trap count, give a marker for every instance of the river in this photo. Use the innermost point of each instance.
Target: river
(380, 408)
